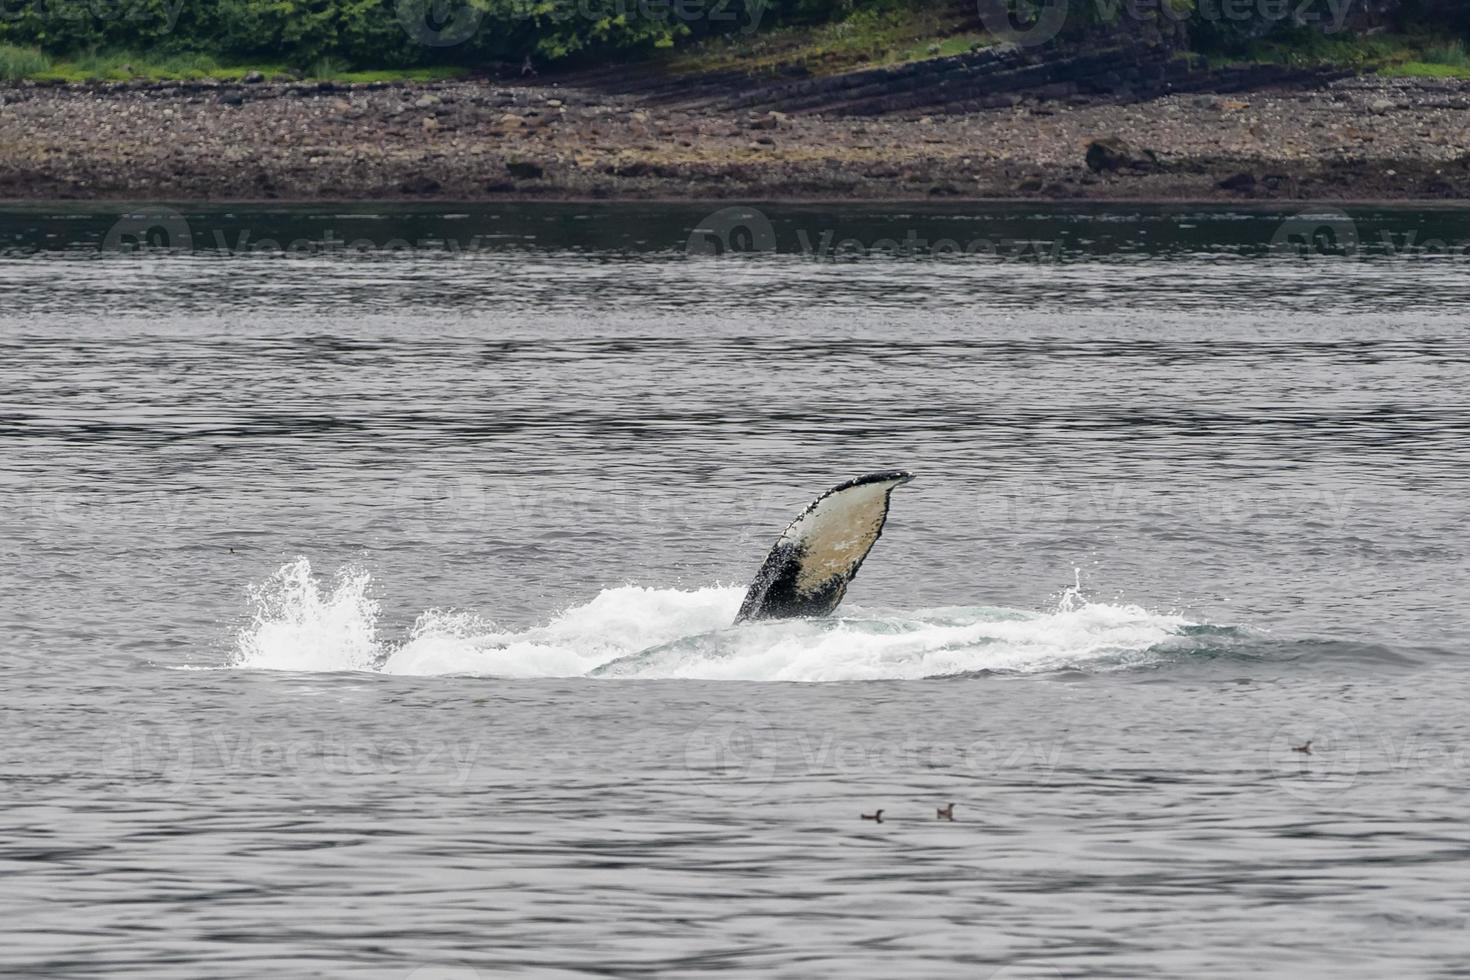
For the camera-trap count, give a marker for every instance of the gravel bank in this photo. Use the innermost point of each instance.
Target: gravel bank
(1360, 139)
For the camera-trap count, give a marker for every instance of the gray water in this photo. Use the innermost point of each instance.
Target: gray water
(367, 579)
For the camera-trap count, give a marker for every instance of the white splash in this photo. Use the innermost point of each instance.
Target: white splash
(297, 627)
(642, 632)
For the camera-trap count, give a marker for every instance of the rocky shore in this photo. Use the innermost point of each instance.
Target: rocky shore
(1346, 139)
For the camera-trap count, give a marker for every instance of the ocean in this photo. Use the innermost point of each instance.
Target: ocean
(368, 578)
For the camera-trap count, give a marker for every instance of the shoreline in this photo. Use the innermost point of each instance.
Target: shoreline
(1359, 140)
(940, 206)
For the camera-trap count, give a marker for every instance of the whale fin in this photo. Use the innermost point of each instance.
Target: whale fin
(807, 572)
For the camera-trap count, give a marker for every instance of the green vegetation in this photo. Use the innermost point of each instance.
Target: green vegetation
(125, 67)
(1439, 61)
(876, 36)
(17, 63)
(1399, 55)
(372, 40)
(1425, 69)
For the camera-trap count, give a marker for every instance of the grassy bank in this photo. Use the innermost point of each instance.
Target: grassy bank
(866, 37)
(1395, 55)
(18, 63)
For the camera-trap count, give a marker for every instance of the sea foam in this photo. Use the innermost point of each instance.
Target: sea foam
(303, 623)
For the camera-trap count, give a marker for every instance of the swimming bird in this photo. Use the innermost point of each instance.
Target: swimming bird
(945, 813)
(876, 816)
(1304, 749)
(819, 553)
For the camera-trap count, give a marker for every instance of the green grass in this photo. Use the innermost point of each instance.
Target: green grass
(440, 73)
(124, 66)
(863, 38)
(1395, 55)
(17, 63)
(1451, 55)
(945, 48)
(1424, 69)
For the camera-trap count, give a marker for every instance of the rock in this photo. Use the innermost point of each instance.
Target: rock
(1030, 185)
(496, 186)
(430, 124)
(771, 120)
(512, 121)
(1115, 153)
(419, 184)
(554, 103)
(525, 169)
(1380, 107)
(253, 78)
(231, 98)
(424, 101)
(764, 141)
(1110, 153)
(1241, 182)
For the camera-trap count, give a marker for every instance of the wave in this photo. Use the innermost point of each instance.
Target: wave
(304, 624)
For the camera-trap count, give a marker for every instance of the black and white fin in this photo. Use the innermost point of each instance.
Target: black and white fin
(807, 572)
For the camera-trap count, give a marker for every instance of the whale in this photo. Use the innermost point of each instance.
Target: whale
(808, 570)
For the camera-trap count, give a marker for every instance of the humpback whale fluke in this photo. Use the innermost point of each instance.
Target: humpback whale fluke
(807, 572)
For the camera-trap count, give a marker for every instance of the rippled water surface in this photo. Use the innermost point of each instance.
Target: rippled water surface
(368, 577)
